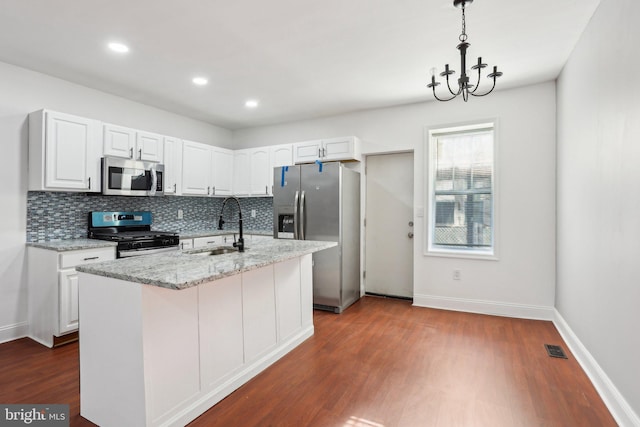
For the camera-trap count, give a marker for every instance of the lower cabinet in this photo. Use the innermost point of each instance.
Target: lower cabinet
(68, 319)
(53, 290)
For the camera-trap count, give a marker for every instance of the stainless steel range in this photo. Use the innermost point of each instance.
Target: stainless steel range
(132, 231)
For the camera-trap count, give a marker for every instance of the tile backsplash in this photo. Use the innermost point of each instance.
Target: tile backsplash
(64, 215)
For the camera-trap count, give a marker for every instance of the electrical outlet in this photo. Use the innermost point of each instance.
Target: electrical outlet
(457, 274)
(180, 214)
(253, 213)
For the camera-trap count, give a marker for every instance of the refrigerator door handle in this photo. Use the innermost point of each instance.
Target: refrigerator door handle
(296, 219)
(303, 221)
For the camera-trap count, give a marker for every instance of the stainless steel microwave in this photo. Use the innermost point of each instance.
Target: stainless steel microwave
(125, 177)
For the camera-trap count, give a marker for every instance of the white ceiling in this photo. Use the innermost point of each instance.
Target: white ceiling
(299, 58)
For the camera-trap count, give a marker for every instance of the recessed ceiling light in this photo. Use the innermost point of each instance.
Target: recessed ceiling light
(200, 81)
(118, 47)
(252, 103)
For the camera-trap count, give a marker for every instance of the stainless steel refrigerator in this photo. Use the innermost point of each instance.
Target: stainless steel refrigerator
(321, 201)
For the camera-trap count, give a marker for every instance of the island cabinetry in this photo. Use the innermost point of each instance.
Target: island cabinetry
(53, 290)
(162, 357)
(64, 152)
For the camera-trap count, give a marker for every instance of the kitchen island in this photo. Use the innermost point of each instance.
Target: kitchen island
(165, 337)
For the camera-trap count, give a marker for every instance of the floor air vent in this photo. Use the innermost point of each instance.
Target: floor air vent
(555, 351)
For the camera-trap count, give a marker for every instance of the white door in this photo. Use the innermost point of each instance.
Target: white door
(259, 171)
(68, 298)
(196, 167)
(149, 146)
(389, 225)
(222, 172)
(119, 141)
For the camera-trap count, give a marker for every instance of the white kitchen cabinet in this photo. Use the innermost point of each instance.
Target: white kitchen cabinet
(279, 155)
(222, 168)
(53, 290)
(221, 330)
(64, 152)
(120, 141)
(196, 166)
(251, 172)
(172, 166)
(219, 240)
(260, 171)
(259, 312)
(241, 172)
(206, 170)
(68, 280)
(332, 149)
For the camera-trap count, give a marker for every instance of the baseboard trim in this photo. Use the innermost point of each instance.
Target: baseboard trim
(13, 331)
(494, 308)
(617, 404)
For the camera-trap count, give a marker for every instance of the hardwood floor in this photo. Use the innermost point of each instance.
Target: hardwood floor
(380, 363)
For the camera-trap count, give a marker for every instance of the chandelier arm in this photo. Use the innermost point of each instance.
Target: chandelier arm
(475, 88)
(491, 90)
(449, 87)
(441, 99)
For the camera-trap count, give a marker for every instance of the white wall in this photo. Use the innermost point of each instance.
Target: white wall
(598, 282)
(24, 91)
(522, 282)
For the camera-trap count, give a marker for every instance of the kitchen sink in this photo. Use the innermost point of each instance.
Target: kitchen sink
(217, 251)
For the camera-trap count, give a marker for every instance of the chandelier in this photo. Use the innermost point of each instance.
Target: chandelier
(464, 88)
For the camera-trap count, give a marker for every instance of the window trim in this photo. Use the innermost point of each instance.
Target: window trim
(430, 135)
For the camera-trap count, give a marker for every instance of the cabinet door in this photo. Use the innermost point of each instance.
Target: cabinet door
(223, 160)
(119, 141)
(279, 155)
(241, 173)
(259, 167)
(149, 146)
(72, 153)
(258, 312)
(196, 169)
(343, 148)
(68, 301)
(307, 152)
(172, 166)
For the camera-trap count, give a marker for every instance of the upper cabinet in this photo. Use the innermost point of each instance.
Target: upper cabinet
(64, 152)
(130, 143)
(172, 166)
(196, 169)
(253, 172)
(206, 170)
(332, 149)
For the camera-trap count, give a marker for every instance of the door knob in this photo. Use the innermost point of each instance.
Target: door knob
(410, 223)
(410, 235)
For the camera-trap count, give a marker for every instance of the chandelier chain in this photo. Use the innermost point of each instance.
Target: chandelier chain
(463, 36)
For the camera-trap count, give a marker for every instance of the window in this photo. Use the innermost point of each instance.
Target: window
(461, 191)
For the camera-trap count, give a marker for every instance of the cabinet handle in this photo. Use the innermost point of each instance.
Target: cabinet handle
(266, 189)
(319, 152)
(214, 190)
(208, 190)
(91, 257)
(140, 154)
(175, 188)
(324, 152)
(89, 187)
(131, 153)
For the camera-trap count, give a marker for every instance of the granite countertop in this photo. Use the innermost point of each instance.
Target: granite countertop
(214, 232)
(184, 269)
(72, 245)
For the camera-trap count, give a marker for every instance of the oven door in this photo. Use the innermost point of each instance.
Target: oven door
(124, 177)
